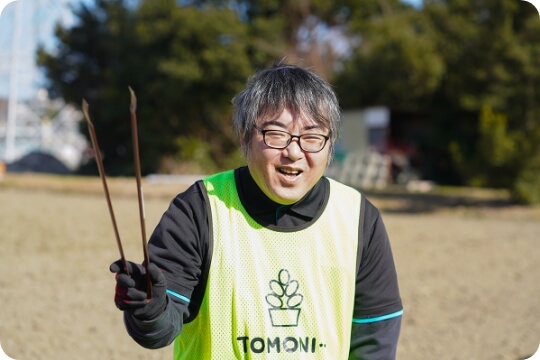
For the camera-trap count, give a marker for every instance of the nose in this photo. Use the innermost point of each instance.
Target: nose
(293, 150)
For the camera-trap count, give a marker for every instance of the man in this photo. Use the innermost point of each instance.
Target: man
(272, 260)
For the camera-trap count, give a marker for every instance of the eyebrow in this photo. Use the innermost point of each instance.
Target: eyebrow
(281, 125)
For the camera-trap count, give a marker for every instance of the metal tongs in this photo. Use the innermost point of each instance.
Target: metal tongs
(99, 161)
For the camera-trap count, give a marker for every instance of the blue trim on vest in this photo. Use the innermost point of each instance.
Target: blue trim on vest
(378, 318)
(177, 295)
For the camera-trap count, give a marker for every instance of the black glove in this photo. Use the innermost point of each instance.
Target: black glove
(131, 290)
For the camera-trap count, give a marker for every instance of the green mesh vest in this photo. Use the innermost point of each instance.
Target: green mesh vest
(276, 295)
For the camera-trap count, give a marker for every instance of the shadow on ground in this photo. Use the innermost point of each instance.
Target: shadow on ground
(416, 203)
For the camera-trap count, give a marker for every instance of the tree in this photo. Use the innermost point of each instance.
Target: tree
(183, 63)
(449, 61)
(396, 64)
(303, 32)
(492, 56)
(200, 60)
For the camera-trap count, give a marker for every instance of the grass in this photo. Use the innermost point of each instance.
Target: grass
(119, 186)
(393, 198)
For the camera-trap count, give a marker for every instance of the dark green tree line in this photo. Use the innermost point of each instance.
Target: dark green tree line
(461, 64)
(183, 64)
(471, 67)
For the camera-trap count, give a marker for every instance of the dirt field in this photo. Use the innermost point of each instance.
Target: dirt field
(469, 274)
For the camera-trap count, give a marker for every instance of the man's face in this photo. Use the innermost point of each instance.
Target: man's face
(286, 175)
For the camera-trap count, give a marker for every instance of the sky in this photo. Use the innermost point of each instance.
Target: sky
(36, 26)
(36, 21)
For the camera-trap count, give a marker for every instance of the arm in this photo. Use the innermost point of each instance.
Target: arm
(179, 247)
(377, 313)
(377, 340)
(158, 332)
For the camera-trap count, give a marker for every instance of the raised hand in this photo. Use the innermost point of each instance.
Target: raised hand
(131, 293)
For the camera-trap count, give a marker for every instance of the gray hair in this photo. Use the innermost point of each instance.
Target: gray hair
(281, 86)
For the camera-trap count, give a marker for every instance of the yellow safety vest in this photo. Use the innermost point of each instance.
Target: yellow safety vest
(273, 294)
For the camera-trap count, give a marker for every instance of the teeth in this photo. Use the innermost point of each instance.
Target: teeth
(289, 172)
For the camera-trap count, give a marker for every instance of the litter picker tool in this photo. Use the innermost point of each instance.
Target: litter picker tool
(101, 169)
(137, 160)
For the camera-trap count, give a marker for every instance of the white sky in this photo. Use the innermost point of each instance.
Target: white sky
(36, 26)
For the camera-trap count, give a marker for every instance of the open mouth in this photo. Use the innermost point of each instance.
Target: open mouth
(289, 172)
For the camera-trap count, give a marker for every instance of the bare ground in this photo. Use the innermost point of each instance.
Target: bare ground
(468, 270)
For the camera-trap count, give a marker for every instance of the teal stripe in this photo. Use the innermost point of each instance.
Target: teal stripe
(378, 318)
(181, 297)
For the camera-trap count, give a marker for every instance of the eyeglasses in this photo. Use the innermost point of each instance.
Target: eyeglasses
(278, 139)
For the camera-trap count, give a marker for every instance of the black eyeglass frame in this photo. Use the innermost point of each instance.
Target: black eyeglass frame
(291, 137)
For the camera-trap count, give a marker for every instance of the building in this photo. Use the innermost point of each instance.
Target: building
(29, 120)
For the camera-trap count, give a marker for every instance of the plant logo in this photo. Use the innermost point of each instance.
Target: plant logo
(284, 300)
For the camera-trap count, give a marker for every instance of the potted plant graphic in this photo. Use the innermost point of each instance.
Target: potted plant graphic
(284, 300)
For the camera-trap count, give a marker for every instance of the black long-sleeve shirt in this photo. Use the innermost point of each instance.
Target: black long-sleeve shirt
(179, 246)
